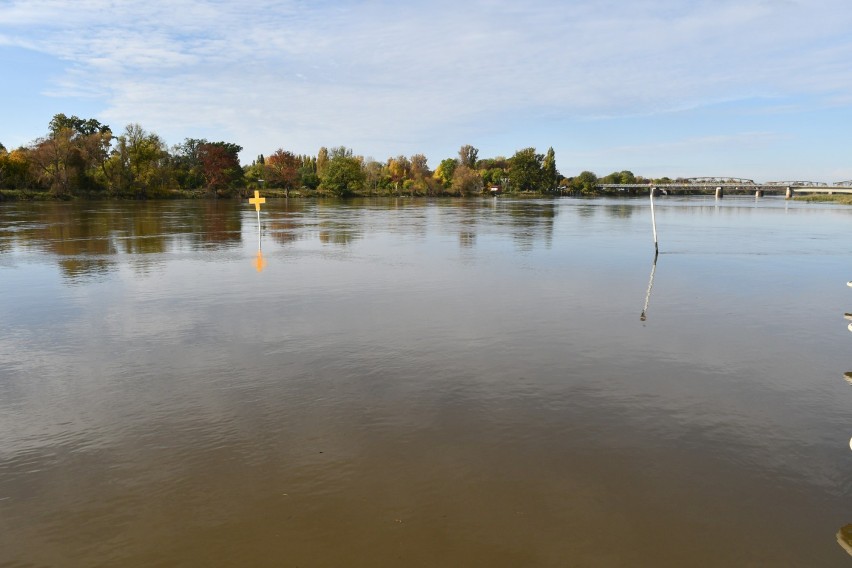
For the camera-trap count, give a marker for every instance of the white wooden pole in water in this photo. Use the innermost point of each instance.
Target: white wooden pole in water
(654, 221)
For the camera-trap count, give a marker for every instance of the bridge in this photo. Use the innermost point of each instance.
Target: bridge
(719, 185)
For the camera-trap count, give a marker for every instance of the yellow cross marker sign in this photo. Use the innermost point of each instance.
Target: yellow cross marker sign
(257, 200)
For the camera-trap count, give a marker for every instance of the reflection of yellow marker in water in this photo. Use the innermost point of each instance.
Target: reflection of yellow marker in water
(259, 261)
(257, 201)
(844, 538)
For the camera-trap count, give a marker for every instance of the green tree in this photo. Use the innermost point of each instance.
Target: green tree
(321, 161)
(83, 127)
(525, 170)
(342, 175)
(492, 176)
(586, 183)
(15, 169)
(308, 178)
(467, 156)
(373, 174)
(186, 163)
(626, 176)
(138, 164)
(255, 175)
(445, 170)
(549, 174)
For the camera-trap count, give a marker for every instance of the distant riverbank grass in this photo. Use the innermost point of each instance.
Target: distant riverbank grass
(25, 195)
(842, 198)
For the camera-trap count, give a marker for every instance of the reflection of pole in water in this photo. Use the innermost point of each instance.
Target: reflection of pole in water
(257, 201)
(650, 286)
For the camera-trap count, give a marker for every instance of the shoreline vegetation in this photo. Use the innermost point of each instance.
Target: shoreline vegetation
(843, 199)
(9, 195)
(81, 159)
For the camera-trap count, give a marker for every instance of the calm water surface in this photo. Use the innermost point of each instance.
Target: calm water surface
(425, 383)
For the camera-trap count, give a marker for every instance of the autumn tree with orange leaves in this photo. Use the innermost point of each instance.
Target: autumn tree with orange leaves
(282, 170)
(221, 168)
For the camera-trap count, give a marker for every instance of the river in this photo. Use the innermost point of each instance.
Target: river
(399, 382)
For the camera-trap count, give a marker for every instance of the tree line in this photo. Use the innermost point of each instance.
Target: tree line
(84, 158)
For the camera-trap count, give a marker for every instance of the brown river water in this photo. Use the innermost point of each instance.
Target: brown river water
(425, 383)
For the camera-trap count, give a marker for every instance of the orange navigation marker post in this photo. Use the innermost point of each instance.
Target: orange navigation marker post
(257, 201)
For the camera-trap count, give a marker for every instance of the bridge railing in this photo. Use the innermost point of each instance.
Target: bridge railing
(798, 183)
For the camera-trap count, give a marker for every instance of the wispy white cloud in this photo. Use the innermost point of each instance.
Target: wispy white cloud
(384, 77)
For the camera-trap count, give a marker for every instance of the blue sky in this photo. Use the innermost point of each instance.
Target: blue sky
(759, 89)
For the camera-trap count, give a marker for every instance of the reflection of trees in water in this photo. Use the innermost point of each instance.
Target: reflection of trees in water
(531, 222)
(467, 216)
(78, 236)
(86, 237)
(221, 223)
(586, 211)
(338, 223)
(285, 230)
(285, 220)
(8, 232)
(413, 222)
(528, 221)
(78, 268)
(336, 233)
(621, 211)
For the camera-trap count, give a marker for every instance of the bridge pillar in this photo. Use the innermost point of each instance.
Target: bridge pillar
(789, 193)
(758, 193)
(655, 191)
(719, 193)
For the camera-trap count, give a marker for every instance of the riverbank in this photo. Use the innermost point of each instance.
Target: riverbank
(169, 194)
(843, 199)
